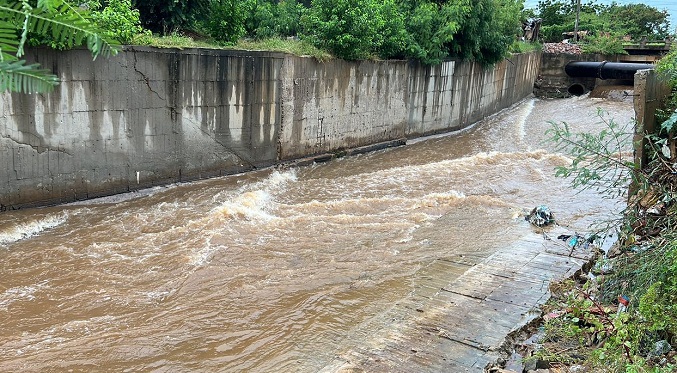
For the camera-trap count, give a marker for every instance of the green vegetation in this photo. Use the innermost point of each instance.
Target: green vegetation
(117, 19)
(597, 159)
(603, 44)
(357, 29)
(56, 21)
(622, 316)
(633, 20)
(603, 28)
(292, 46)
(167, 17)
(429, 31)
(524, 47)
(173, 40)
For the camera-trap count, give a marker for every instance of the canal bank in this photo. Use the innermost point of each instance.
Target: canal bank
(150, 117)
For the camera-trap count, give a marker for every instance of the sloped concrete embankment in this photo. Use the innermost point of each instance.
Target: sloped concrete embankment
(463, 324)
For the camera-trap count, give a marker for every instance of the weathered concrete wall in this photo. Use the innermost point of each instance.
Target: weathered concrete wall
(142, 118)
(651, 94)
(553, 82)
(337, 104)
(340, 104)
(154, 116)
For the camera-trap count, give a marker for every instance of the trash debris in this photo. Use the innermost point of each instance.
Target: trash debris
(590, 277)
(571, 240)
(661, 348)
(575, 240)
(638, 249)
(602, 266)
(623, 302)
(540, 216)
(666, 151)
(554, 315)
(657, 210)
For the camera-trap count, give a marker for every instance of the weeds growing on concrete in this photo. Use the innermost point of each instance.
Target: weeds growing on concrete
(622, 315)
(179, 41)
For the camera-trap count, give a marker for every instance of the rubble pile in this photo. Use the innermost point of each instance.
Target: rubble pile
(561, 48)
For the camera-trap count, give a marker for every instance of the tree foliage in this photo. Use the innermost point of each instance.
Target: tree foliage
(230, 20)
(488, 31)
(56, 18)
(227, 20)
(634, 20)
(429, 31)
(354, 29)
(638, 20)
(431, 27)
(426, 30)
(271, 18)
(164, 17)
(118, 19)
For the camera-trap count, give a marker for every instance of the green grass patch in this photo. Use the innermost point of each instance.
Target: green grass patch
(291, 46)
(524, 47)
(172, 41)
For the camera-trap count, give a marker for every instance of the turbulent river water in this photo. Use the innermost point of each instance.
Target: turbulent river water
(276, 270)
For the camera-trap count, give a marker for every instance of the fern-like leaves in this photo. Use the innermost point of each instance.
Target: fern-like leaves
(16, 76)
(56, 18)
(9, 44)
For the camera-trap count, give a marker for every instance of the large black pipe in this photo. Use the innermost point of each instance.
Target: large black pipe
(605, 70)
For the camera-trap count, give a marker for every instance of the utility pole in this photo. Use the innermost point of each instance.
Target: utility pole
(578, 14)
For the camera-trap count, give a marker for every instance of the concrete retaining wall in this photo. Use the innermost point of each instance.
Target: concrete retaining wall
(153, 116)
(651, 94)
(553, 82)
(337, 104)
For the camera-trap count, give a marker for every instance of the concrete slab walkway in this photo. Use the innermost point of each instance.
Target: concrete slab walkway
(460, 326)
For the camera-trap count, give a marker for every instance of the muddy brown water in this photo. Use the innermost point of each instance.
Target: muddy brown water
(277, 270)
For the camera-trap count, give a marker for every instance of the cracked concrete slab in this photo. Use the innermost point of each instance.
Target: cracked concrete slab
(463, 325)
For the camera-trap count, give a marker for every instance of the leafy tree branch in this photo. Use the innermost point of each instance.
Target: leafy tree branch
(55, 18)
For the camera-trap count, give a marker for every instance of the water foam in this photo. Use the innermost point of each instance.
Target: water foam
(250, 206)
(521, 121)
(26, 293)
(22, 231)
(254, 201)
(442, 199)
(201, 257)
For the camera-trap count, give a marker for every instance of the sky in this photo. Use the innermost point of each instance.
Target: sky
(670, 5)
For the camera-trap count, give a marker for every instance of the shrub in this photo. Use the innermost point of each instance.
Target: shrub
(488, 31)
(269, 19)
(119, 20)
(227, 18)
(431, 27)
(165, 17)
(354, 29)
(116, 19)
(603, 44)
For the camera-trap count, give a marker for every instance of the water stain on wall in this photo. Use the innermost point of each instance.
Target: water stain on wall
(148, 116)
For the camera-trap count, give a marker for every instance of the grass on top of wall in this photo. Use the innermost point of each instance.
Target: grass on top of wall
(180, 41)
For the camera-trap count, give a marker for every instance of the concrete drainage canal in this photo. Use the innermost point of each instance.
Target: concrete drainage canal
(415, 258)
